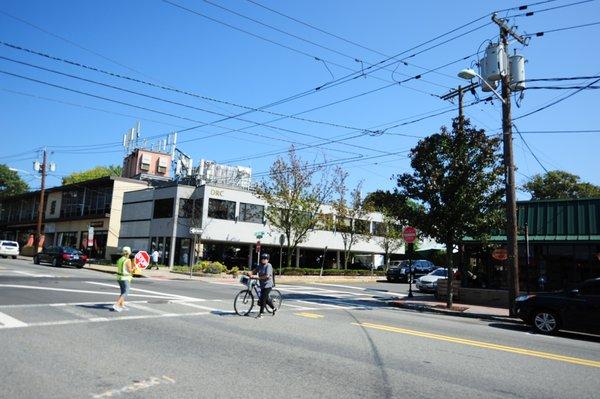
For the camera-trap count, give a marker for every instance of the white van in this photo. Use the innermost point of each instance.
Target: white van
(9, 248)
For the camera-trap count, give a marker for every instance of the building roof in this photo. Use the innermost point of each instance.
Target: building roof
(566, 220)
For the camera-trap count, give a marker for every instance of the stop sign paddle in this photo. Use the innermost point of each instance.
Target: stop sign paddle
(409, 234)
(142, 259)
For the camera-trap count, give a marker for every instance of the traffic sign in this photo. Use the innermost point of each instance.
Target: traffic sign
(409, 234)
(500, 254)
(142, 259)
(196, 231)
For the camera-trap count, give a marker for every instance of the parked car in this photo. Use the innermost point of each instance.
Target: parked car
(577, 309)
(398, 272)
(59, 256)
(9, 248)
(428, 283)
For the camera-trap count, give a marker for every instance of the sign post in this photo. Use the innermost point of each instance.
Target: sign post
(409, 234)
(258, 235)
(90, 238)
(196, 232)
(281, 242)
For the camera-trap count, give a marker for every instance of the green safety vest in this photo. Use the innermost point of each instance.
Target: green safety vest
(122, 272)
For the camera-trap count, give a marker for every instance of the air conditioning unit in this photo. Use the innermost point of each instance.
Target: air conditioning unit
(162, 165)
(145, 163)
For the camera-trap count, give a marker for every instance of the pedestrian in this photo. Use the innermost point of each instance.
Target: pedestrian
(124, 270)
(264, 271)
(154, 262)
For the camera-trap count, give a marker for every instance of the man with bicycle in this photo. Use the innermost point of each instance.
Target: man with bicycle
(264, 271)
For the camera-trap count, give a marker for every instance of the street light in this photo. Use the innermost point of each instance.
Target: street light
(469, 74)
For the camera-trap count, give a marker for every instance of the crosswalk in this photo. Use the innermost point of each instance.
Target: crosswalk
(152, 304)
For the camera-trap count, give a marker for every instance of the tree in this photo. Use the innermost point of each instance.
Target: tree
(558, 184)
(93, 173)
(10, 182)
(349, 215)
(294, 199)
(389, 237)
(457, 178)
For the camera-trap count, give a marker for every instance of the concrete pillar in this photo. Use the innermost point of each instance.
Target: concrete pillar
(337, 260)
(297, 257)
(174, 233)
(250, 252)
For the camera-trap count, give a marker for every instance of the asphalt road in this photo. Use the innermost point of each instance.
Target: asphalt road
(181, 339)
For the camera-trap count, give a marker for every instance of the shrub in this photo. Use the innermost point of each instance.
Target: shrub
(234, 271)
(213, 267)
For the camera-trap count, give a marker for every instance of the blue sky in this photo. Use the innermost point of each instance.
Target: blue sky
(159, 43)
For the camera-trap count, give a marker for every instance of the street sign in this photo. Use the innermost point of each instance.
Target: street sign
(90, 238)
(196, 231)
(142, 259)
(500, 254)
(409, 234)
(257, 247)
(282, 240)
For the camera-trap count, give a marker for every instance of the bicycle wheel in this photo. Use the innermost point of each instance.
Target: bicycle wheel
(276, 299)
(243, 303)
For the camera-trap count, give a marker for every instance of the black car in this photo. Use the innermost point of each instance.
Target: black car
(398, 272)
(59, 256)
(577, 309)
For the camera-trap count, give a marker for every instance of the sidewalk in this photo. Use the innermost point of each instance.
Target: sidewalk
(423, 303)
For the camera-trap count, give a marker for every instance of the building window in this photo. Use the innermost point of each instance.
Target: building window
(53, 207)
(163, 208)
(324, 222)
(221, 209)
(252, 213)
(379, 229)
(186, 208)
(362, 226)
(71, 203)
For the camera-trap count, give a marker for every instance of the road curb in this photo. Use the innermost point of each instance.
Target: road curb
(429, 309)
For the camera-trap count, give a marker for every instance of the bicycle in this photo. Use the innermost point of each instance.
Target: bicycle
(244, 300)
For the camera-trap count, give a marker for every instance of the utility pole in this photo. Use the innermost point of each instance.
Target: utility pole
(459, 92)
(38, 234)
(511, 202)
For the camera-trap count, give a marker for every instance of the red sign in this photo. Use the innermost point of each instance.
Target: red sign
(500, 254)
(257, 247)
(142, 259)
(409, 234)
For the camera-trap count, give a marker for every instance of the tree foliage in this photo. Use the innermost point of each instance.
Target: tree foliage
(93, 173)
(294, 192)
(558, 184)
(350, 214)
(457, 177)
(10, 182)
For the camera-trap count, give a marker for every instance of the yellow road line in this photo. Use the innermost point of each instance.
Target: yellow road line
(485, 345)
(310, 315)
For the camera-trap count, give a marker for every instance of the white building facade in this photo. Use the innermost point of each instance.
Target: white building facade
(229, 218)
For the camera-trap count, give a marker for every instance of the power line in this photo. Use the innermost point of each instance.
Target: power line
(539, 34)
(86, 107)
(71, 42)
(351, 57)
(561, 87)
(556, 101)
(531, 13)
(560, 131)
(529, 148)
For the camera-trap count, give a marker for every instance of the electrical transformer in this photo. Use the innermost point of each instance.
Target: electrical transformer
(517, 72)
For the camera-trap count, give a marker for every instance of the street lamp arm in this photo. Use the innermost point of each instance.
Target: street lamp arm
(469, 74)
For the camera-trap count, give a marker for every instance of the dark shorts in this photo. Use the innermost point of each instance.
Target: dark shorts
(124, 285)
